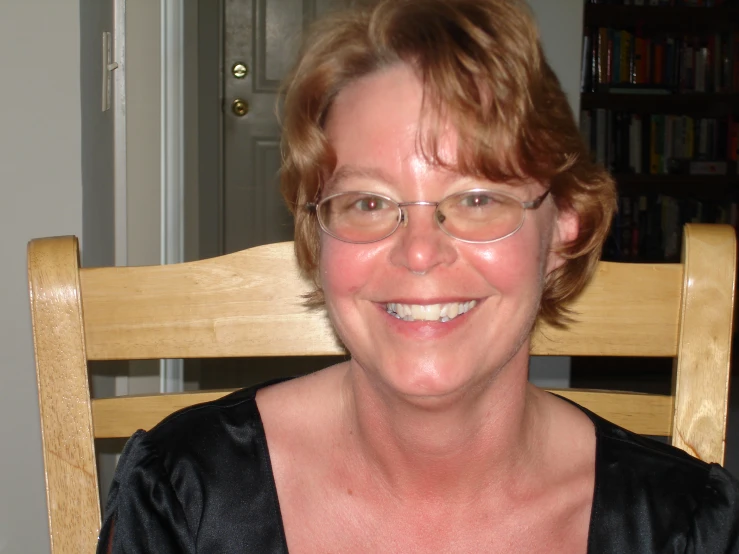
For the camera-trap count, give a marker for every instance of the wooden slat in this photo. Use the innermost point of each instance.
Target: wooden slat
(703, 366)
(244, 304)
(64, 399)
(122, 416)
(647, 414)
(217, 307)
(627, 310)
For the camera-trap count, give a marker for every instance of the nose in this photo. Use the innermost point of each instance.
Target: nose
(420, 244)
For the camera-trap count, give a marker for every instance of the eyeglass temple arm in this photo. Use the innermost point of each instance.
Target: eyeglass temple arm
(536, 202)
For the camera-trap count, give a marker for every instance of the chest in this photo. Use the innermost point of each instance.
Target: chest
(352, 525)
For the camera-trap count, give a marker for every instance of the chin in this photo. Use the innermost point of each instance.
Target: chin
(429, 382)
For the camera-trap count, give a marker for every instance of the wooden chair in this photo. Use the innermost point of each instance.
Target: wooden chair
(249, 304)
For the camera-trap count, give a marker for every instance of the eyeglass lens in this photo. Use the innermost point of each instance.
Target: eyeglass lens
(476, 216)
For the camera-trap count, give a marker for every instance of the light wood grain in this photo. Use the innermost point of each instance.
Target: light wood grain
(646, 414)
(251, 304)
(245, 304)
(64, 399)
(626, 310)
(701, 385)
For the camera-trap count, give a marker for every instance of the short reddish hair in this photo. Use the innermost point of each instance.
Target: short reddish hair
(482, 66)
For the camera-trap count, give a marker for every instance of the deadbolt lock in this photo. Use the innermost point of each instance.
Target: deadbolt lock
(240, 70)
(240, 107)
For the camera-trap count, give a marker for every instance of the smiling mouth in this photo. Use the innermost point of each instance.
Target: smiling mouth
(429, 312)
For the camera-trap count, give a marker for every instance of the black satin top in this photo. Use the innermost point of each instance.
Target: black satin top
(201, 481)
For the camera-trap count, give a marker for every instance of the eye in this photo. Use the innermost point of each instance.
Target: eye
(477, 200)
(370, 204)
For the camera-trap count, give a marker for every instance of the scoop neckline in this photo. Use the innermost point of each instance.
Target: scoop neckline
(262, 437)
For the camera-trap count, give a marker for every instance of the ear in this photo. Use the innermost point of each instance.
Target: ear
(566, 228)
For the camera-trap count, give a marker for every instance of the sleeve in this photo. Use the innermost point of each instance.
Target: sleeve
(716, 524)
(143, 513)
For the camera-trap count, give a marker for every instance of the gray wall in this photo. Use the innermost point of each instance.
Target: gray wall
(40, 176)
(98, 215)
(561, 24)
(98, 199)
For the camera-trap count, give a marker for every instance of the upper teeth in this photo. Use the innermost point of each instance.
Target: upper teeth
(429, 312)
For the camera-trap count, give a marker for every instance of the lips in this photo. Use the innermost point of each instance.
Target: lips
(429, 312)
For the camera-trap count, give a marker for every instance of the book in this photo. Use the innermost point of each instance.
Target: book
(708, 168)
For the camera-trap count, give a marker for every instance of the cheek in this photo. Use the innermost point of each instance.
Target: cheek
(345, 268)
(510, 266)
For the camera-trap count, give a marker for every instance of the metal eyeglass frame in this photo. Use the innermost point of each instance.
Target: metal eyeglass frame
(403, 218)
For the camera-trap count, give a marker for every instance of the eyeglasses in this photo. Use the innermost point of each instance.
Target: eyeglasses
(476, 216)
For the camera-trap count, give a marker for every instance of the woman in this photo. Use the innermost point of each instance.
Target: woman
(443, 201)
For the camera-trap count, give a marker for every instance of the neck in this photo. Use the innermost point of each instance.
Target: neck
(472, 441)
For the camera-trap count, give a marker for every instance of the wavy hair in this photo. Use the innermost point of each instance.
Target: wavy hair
(483, 69)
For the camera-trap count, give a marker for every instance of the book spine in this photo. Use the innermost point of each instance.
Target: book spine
(626, 57)
(703, 139)
(701, 65)
(635, 146)
(602, 56)
(686, 69)
(667, 149)
(601, 130)
(654, 161)
(658, 67)
(716, 62)
(733, 140)
(639, 62)
(616, 56)
(689, 138)
(585, 75)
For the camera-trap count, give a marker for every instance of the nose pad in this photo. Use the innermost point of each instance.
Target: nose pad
(403, 217)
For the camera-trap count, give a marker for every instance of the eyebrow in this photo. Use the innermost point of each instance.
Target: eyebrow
(346, 172)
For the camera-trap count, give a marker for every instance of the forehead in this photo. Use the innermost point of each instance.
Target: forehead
(387, 101)
(381, 132)
(375, 127)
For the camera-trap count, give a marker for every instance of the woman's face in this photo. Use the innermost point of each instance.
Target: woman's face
(373, 127)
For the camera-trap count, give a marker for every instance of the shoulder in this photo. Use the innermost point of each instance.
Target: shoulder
(649, 494)
(199, 469)
(201, 427)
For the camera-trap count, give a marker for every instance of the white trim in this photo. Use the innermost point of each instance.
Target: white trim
(172, 162)
(120, 188)
(119, 134)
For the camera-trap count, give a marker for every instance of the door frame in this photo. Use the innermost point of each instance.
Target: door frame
(169, 184)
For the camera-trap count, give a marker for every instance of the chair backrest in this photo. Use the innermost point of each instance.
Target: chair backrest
(249, 304)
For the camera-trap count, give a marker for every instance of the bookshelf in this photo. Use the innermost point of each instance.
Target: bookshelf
(660, 108)
(656, 201)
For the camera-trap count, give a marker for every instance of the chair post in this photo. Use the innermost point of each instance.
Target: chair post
(64, 397)
(701, 378)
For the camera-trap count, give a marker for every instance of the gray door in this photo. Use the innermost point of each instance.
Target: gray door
(262, 37)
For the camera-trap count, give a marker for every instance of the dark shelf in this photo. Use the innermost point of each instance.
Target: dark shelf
(704, 187)
(668, 19)
(689, 103)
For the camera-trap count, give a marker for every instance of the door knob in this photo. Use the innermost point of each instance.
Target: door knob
(240, 107)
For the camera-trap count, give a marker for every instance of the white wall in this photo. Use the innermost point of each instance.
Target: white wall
(40, 194)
